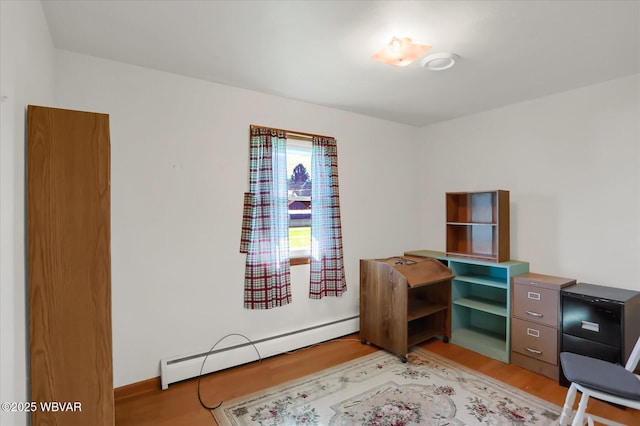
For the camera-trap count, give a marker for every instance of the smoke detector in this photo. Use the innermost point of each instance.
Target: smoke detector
(439, 61)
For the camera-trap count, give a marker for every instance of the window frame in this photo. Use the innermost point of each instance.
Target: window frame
(300, 257)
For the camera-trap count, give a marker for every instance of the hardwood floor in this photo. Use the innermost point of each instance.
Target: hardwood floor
(179, 404)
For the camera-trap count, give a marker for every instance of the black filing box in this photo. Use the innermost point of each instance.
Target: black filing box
(599, 321)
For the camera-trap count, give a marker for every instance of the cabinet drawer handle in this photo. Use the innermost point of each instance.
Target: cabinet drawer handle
(591, 326)
(534, 314)
(533, 351)
(533, 332)
(533, 296)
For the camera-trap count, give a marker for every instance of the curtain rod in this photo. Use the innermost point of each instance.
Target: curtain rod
(291, 132)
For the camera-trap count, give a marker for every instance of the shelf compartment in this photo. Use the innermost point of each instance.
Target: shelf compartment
(417, 309)
(480, 331)
(467, 317)
(483, 280)
(472, 207)
(482, 341)
(472, 240)
(417, 335)
(480, 274)
(426, 328)
(493, 300)
(484, 305)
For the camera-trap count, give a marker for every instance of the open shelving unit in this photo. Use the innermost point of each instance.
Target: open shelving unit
(478, 225)
(480, 302)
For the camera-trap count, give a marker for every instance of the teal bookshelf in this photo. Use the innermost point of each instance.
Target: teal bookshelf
(480, 302)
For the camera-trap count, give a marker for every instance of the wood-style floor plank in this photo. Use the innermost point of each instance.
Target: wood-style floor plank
(179, 404)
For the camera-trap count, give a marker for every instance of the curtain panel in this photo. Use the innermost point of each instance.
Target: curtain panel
(265, 223)
(326, 263)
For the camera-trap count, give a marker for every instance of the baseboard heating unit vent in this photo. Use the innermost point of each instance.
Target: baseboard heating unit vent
(184, 367)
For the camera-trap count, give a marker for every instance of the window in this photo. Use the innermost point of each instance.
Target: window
(299, 190)
(279, 208)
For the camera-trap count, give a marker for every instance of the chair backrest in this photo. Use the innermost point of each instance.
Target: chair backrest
(632, 362)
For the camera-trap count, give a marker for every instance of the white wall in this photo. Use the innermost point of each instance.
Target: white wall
(179, 168)
(572, 164)
(179, 150)
(26, 77)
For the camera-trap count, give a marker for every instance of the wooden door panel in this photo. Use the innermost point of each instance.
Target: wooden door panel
(69, 264)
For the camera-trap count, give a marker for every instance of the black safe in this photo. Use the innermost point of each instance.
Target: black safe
(600, 322)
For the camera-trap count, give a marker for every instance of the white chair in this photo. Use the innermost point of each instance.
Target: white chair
(599, 379)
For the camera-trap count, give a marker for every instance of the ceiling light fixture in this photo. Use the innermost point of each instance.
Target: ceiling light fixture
(400, 52)
(439, 61)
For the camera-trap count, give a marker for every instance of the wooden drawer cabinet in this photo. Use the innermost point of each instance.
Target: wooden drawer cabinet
(535, 322)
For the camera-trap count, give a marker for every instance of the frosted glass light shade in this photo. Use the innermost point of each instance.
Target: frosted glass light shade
(401, 52)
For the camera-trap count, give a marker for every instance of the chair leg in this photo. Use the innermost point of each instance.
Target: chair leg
(578, 420)
(568, 405)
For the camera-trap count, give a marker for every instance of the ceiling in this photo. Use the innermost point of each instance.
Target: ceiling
(320, 51)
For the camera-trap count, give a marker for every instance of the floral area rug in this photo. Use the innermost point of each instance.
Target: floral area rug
(379, 390)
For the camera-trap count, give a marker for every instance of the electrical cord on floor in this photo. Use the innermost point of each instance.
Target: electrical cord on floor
(210, 408)
(205, 360)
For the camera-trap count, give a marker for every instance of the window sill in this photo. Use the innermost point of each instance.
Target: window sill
(299, 260)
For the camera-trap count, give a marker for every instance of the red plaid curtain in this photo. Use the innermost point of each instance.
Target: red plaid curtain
(265, 224)
(327, 264)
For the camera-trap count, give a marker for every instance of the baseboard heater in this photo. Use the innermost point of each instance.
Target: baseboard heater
(184, 367)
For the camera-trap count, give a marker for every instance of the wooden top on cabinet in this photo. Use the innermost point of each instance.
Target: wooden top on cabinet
(443, 256)
(544, 281)
(419, 271)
